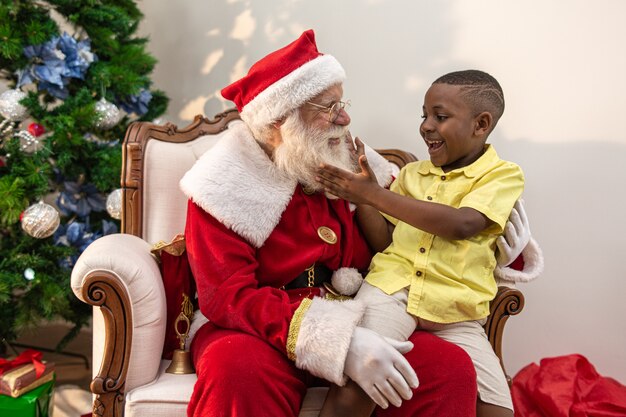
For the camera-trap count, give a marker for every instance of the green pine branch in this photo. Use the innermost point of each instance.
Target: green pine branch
(72, 150)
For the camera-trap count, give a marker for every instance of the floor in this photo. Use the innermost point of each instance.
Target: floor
(72, 366)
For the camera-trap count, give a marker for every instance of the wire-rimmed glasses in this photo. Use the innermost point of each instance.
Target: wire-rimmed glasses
(333, 110)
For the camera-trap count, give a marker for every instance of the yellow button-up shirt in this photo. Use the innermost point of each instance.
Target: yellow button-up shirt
(449, 280)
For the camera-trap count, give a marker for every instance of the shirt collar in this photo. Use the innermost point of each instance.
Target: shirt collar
(472, 170)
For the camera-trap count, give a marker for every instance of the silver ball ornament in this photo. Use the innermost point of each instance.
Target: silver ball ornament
(40, 220)
(10, 107)
(107, 114)
(114, 204)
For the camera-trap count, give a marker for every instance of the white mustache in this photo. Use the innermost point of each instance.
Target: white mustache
(333, 132)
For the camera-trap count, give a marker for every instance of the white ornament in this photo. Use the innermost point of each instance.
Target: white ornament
(29, 274)
(40, 220)
(28, 142)
(107, 114)
(6, 127)
(10, 107)
(114, 204)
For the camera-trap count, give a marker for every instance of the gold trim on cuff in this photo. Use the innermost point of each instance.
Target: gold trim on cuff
(294, 327)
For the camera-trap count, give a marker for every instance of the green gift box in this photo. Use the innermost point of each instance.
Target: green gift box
(35, 403)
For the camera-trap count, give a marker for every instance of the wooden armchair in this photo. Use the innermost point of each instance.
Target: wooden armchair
(119, 277)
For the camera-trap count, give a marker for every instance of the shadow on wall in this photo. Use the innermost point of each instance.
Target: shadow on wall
(204, 46)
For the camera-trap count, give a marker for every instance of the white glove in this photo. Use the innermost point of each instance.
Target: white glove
(377, 365)
(515, 237)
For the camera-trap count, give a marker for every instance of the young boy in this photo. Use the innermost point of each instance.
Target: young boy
(445, 216)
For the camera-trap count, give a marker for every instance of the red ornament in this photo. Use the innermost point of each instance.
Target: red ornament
(36, 129)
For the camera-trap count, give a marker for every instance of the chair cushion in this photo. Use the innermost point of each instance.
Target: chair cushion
(169, 395)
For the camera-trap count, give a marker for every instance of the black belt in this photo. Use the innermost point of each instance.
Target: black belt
(314, 276)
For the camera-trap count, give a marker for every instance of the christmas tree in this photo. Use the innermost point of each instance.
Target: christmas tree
(75, 75)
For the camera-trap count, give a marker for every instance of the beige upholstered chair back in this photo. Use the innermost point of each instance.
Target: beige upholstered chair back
(155, 158)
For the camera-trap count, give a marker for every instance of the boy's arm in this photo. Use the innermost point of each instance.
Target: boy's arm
(437, 219)
(362, 188)
(376, 229)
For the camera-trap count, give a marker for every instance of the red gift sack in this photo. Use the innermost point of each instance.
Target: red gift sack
(566, 386)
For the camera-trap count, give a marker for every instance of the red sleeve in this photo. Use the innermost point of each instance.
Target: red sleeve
(224, 267)
(518, 263)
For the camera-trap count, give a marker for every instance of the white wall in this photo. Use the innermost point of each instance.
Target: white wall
(562, 66)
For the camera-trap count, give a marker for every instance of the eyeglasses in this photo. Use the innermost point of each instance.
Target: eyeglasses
(333, 110)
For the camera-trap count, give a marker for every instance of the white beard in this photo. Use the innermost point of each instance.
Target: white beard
(304, 149)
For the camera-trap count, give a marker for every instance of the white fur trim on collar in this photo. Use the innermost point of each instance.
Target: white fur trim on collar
(240, 186)
(533, 265)
(292, 91)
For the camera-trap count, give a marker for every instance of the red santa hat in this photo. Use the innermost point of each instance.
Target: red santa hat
(284, 80)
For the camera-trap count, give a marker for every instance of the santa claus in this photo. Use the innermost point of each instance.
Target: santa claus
(264, 243)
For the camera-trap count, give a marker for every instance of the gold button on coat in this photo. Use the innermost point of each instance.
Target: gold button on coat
(327, 235)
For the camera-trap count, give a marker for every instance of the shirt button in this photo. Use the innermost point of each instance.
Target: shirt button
(429, 198)
(422, 250)
(418, 273)
(443, 178)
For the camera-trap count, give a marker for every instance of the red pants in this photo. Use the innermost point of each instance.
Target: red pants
(239, 375)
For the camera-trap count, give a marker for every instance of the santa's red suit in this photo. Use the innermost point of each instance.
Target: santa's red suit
(250, 231)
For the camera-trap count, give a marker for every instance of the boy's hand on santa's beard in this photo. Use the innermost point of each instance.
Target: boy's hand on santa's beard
(350, 144)
(358, 188)
(354, 153)
(354, 156)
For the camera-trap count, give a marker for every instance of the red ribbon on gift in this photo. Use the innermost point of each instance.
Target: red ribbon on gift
(26, 357)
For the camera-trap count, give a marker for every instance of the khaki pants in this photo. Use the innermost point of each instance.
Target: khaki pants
(387, 315)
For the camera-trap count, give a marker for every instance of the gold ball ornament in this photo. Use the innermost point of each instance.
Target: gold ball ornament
(107, 114)
(40, 220)
(114, 204)
(10, 107)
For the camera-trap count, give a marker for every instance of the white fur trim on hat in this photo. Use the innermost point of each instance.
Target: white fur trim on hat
(347, 280)
(533, 265)
(324, 337)
(292, 91)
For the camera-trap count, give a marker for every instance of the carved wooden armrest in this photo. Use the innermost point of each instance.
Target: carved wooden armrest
(508, 302)
(118, 274)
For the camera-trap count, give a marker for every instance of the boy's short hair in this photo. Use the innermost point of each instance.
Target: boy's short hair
(481, 90)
